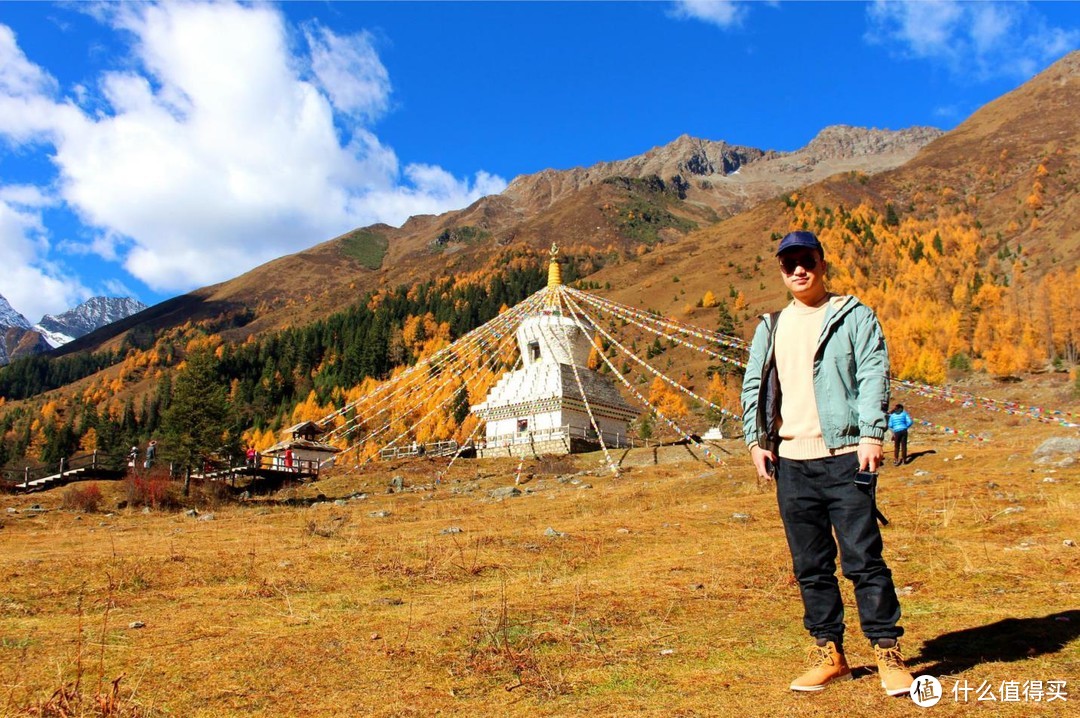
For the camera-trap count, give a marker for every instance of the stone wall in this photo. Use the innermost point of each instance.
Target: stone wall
(548, 447)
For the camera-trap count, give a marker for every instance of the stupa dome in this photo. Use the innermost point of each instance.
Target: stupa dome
(552, 337)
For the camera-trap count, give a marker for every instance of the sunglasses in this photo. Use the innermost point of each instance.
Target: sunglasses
(788, 263)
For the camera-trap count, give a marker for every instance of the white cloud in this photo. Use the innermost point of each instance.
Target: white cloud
(948, 112)
(981, 40)
(107, 245)
(430, 190)
(114, 288)
(26, 93)
(350, 72)
(18, 76)
(213, 147)
(22, 234)
(25, 196)
(32, 285)
(722, 13)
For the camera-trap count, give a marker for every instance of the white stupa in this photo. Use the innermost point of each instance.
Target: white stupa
(539, 409)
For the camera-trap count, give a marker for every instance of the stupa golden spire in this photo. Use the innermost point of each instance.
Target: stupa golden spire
(554, 271)
(551, 301)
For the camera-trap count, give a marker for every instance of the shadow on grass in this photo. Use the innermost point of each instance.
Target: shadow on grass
(914, 455)
(1012, 639)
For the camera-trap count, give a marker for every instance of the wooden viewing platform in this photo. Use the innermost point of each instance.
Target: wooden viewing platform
(272, 467)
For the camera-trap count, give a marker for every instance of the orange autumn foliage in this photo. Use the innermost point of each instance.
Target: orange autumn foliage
(942, 289)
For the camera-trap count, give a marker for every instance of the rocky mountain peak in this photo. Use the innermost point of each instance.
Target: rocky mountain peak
(692, 156)
(11, 318)
(92, 314)
(846, 142)
(15, 333)
(685, 156)
(730, 178)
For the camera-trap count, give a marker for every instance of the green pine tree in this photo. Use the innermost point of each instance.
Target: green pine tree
(199, 418)
(891, 218)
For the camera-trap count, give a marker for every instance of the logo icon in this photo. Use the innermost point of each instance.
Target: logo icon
(926, 691)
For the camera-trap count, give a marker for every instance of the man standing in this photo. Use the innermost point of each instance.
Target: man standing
(814, 399)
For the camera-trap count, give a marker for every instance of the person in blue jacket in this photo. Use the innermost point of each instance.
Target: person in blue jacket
(899, 423)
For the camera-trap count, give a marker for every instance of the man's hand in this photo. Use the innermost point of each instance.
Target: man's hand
(759, 457)
(870, 457)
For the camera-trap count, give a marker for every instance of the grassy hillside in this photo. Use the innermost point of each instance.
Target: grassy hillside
(366, 247)
(667, 592)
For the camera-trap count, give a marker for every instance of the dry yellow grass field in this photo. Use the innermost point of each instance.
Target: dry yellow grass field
(666, 592)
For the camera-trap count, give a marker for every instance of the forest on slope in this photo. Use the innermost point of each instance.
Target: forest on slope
(269, 377)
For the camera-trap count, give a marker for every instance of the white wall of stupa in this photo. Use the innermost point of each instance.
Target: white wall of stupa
(539, 407)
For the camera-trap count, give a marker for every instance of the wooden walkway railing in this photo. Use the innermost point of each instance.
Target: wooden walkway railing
(41, 477)
(432, 448)
(263, 465)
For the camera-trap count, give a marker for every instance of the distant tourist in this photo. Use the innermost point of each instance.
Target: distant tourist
(814, 399)
(251, 457)
(151, 454)
(899, 423)
(288, 460)
(133, 456)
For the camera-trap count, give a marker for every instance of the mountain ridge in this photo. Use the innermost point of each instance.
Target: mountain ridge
(746, 175)
(92, 314)
(19, 338)
(542, 207)
(9, 317)
(13, 329)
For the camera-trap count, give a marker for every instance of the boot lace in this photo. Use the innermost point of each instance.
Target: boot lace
(891, 658)
(819, 656)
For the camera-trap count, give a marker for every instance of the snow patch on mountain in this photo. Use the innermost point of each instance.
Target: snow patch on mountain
(11, 318)
(53, 339)
(92, 314)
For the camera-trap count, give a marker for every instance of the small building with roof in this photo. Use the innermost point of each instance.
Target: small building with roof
(306, 452)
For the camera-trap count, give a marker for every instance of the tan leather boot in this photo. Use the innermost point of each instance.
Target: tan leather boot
(895, 677)
(827, 664)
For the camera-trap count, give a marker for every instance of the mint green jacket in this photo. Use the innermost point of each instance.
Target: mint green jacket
(851, 378)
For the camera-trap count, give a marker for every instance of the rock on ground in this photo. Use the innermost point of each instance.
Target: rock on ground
(1058, 445)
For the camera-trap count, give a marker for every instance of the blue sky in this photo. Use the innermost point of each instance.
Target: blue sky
(147, 150)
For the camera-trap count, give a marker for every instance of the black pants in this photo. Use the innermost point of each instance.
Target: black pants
(899, 440)
(817, 497)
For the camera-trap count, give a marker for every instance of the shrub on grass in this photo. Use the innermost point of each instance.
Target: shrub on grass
(153, 490)
(83, 498)
(556, 465)
(210, 494)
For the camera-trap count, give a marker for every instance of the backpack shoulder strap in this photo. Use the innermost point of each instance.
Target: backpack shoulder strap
(774, 319)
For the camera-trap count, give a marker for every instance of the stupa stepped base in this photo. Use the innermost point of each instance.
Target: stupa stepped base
(553, 446)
